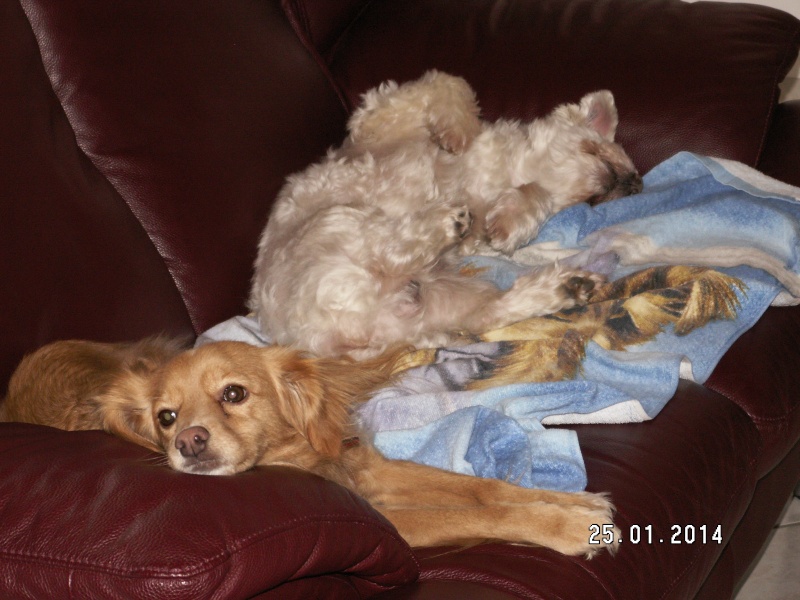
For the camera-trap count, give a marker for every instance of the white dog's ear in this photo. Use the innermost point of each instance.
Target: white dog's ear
(600, 113)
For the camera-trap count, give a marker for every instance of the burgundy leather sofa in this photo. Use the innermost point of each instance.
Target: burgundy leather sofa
(141, 144)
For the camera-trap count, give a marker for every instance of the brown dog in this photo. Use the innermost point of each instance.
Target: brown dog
(226, 407)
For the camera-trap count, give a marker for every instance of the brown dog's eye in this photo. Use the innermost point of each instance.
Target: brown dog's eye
(234, 394)
(167, 417)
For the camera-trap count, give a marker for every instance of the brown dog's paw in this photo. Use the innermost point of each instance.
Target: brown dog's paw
(573, 524)
(602, 533)
(588, 527)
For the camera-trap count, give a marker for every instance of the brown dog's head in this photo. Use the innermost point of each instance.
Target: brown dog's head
(218, 409)
(226, 407)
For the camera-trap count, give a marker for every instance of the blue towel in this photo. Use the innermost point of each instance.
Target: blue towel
(722, 212)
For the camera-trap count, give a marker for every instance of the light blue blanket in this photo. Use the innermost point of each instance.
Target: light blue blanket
(693, 210)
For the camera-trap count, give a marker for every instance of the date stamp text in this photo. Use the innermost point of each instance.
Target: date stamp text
(646, 534)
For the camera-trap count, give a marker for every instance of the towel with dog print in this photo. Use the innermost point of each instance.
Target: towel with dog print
(482, 408)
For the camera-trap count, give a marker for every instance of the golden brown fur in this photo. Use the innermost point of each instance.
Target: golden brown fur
(226, 407)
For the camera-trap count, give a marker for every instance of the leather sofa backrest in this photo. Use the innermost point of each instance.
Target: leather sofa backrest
(142, 143)
(701, 77)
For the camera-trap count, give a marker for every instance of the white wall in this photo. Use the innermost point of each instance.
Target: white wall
(790, 88)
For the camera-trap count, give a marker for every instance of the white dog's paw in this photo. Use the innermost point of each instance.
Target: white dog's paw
(455, 134)
(454, 222)
(546, 291)
(506, 233)
(452, 116)
(461, 222)
(579, 286)
(515, 217)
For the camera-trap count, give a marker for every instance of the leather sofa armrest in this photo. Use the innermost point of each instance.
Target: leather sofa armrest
(701, 77)
(88, 515)
(781, 156)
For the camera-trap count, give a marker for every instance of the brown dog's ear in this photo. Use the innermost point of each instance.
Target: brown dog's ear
(127, 403)
(132, 426)
(306, 406)
(321, 394)
(127, 407)
(127, 411)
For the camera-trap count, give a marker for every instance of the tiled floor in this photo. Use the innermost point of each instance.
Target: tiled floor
(776, 576)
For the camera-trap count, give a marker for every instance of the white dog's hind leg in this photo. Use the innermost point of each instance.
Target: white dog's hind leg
(542, 292)
(437, 107)
(374, 300)
(455, 303)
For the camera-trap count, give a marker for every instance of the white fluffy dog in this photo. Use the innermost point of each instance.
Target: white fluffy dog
(360, 251)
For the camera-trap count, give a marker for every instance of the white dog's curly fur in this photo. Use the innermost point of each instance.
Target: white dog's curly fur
(360, 251)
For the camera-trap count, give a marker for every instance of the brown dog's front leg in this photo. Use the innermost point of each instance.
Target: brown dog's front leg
(431, 507)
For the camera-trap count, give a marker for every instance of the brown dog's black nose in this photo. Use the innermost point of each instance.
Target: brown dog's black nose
(192, 441)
